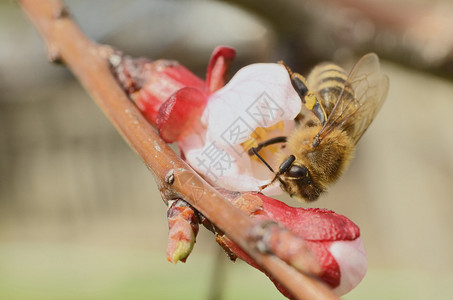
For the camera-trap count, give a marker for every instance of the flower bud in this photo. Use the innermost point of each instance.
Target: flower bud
(183, 229)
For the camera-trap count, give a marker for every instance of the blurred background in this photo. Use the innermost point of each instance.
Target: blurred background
(80, 215)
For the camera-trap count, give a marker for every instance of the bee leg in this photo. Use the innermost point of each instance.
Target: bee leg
(277, 176)
(311, 102)
(267, 184)
(275, 140)
(307, 97)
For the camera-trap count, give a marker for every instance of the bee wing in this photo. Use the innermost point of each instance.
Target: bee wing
(361, 98)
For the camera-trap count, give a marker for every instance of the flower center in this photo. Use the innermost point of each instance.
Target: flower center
(262, 134)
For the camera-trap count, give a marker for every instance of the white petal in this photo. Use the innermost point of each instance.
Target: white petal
(230, 170)
(259, 95)
(351, 257)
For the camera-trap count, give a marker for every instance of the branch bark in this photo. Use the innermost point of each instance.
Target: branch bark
(89, 63)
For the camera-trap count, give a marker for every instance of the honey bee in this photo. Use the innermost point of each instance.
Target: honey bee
(337, 109)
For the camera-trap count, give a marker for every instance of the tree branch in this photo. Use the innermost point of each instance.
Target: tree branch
(89, 63)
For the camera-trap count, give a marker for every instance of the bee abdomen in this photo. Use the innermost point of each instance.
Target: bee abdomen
(325, 72)
(328, 81)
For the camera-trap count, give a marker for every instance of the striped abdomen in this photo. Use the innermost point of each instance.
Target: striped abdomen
(327, 81)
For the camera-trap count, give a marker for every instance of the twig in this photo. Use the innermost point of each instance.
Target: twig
(89, 63)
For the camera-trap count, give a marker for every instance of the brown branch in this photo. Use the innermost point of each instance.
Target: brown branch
(89, 63)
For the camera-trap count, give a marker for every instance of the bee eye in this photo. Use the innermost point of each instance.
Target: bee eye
(297, 171)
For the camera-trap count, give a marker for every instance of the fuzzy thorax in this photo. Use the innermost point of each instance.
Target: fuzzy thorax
(325, 162)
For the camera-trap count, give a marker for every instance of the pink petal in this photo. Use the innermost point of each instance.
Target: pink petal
(312, 224)
(324, 231)
(183, 76)
(148, 103)
(219, 64)
(177, 115)
(332, 273)
(342, 260)
(351, 257)
(161, 80)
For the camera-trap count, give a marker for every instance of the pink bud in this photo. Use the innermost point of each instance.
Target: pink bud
(182, 230)
(152, 83)
(333, 239)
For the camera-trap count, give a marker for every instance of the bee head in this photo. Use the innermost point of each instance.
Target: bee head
(297, 181)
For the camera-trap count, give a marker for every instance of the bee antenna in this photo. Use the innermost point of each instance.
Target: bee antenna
(262, 159)
(277, 175)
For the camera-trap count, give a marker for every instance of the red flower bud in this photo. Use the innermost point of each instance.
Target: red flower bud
(323, 233)
(183, 229)
(150, 84)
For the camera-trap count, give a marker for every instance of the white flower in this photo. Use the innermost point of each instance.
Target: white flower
(258, 103)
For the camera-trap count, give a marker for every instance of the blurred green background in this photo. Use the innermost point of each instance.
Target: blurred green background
(80, 215)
